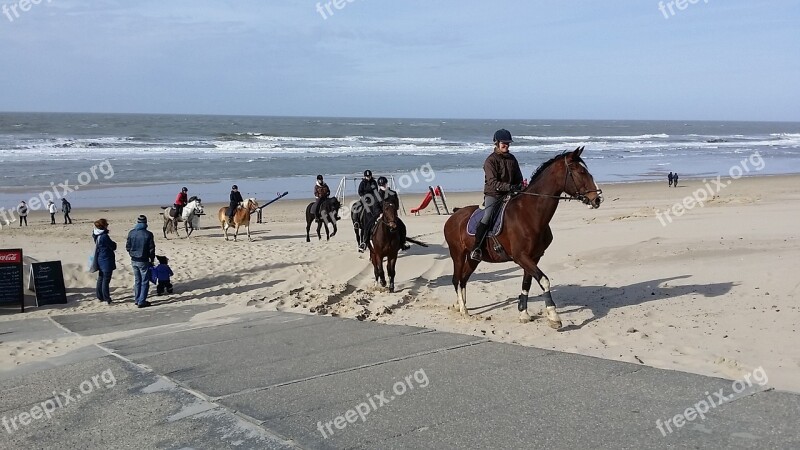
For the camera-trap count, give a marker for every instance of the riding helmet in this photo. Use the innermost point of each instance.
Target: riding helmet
(382, 181)
(319, 177)
(185, 189)
(234, 187)
(367, 173)
(502, 135)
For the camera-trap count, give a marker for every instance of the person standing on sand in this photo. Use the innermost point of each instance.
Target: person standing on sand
(104, 259)
(51, 208)
(142, 248)
(670, 177)
(235, 200)
(22, 210)
(675, 179)
(502, 175)
(66, 208)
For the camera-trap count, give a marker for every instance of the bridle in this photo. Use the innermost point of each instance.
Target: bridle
(580, 196)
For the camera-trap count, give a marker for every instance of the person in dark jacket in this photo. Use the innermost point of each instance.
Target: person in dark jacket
(66, 208)
(383, 194)
(675, 179)
(670, 177)
(367, 192)
(141, 246)
(501, 176)
(104, 259)
(321, 192)
(180, 201)
(162, 276)
(235, 200)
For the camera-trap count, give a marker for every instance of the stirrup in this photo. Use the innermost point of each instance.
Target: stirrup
(476, 255)
(362, 247)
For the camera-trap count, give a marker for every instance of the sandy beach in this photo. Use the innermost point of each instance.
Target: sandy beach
(711, 292)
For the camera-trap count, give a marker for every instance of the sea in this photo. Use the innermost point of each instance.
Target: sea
(144, 159)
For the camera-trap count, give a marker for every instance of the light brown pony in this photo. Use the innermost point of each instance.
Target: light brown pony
(526, 230)
(240, 217)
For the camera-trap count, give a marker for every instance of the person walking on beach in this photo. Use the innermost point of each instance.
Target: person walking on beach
(321, 192)
(22, 210)
(675, 179)
(501, 175)
(162, 273)
(66, 208)
(141, 247)
(51, 208)
(103, 259)
(180, 201)
(670, 177)
(235, 200)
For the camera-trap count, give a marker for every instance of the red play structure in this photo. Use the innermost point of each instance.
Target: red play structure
(437, 195)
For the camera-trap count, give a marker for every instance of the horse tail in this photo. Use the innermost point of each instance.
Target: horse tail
(171, 226)
(414, 241)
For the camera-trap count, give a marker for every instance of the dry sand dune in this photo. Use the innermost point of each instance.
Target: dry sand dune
(713, 292)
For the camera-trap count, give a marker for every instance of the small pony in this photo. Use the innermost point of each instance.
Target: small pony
(240, 217)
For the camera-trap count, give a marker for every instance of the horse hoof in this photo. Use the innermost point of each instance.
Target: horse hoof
(554, 324)
(391, 288)
(524, 317)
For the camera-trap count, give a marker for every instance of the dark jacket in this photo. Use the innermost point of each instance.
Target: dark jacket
(236, 197)
(163, 272)
(140, 244)
(66, 207)
(501, 172)
(367, 187)
(321, 191)
(104, 251)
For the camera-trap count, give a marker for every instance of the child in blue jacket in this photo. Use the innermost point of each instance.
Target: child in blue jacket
(161, 274)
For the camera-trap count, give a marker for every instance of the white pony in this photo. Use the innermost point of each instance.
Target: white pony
(190, 217)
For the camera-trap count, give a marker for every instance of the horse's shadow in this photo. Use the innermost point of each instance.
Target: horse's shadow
(600, 300)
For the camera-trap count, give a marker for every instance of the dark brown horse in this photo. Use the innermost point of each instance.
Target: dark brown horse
(387, 239)
(526, 230)
(328, 213)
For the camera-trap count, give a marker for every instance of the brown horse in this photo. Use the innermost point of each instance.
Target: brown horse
(526, 231)
(240, 217)
(387, 239)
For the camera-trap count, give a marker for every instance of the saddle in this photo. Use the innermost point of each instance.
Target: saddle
(496, 221)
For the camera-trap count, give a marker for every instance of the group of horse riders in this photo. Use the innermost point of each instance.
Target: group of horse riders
(372, 195)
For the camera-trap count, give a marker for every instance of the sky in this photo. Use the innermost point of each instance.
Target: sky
(504, 59)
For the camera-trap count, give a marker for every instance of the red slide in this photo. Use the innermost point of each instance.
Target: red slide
(425, 202)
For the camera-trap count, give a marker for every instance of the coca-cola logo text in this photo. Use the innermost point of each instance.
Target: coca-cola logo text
(10, 257)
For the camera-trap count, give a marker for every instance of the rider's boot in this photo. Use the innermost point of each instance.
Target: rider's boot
(480, 236)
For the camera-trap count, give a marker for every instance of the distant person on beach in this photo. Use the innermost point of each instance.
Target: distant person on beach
(180, 201)
(103, 259)
(51, 208)
(235, 200)
(22, 210)
(670, 177)
(675, 179)
(162, 273)
(501, 175)
(321, 192)
(66, 208)
(141, 246)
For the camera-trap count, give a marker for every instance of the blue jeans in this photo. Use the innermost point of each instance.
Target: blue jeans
(141, 283)
(103, 290)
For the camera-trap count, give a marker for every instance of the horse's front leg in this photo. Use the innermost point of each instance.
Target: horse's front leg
(319, 228)
(522, 302)
(334, 229)
(236, 232)
(327, 231)
(391, 261)
(377, 264)
(531, 268)
(225, 229)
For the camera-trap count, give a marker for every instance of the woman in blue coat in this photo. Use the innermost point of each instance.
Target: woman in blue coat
(104, 259)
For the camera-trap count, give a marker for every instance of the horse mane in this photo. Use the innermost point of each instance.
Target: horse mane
(548, 163)
(192, 198)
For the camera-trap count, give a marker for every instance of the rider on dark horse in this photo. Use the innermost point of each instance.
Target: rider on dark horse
(502, 175)
(321, 193)
(235, 200)
(368, 187)
(180, 201)
(383, 194)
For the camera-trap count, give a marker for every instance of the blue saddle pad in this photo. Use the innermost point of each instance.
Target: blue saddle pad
(472, 223)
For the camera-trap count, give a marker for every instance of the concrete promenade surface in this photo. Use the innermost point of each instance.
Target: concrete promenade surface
(279, 380)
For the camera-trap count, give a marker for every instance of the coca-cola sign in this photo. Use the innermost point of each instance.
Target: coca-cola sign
(10, 257)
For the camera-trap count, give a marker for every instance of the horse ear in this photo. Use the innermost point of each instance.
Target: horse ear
(577, 152)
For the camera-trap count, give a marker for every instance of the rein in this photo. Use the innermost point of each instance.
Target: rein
(581, 196)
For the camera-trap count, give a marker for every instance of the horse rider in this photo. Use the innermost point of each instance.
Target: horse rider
(235, 200)
(180, 201)
(383, 194)
(321, 193)
(501, 176)
(367, 187)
